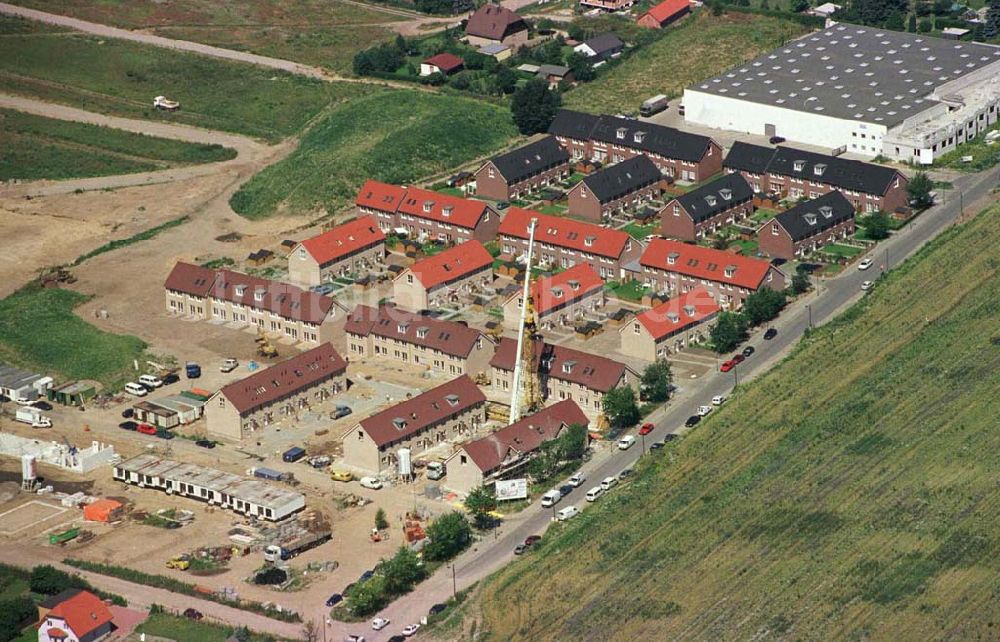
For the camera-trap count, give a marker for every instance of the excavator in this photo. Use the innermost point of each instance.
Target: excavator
(264, 346)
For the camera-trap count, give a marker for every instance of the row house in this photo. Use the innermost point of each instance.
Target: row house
(670, 327)
(675, 268)
(272, 307)
(795, 174)
(425, 215)
(558, 300)
(438, 280)
(807, 226)
(523, 170)
(394, 334)
(270, 394)
(353, 247)
(707, 209)
(564, 373)
(610, 139)
(448, 413)
(562, 243)
(505, 453)
(615, 189)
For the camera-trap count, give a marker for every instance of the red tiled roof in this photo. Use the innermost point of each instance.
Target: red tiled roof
(668, 9)
(284, 379)
(566, 232)
(455, 263)
(563, 288)
(380, 196)
(524, 436)
(678, 313)
(83, 613)
(590, 370)
(343, 240)
(445, 61)
(190, 279)
(450, 337)
(283, 299)
(423, 411)
(435, 206)
(705, 263)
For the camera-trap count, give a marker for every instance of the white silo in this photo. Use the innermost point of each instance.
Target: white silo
(405, 465)
(29, 471)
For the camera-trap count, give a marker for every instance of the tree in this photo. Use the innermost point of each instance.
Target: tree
(876, 226)
(381, 523)
(572, 443)
(447, 536)
(621, 407)
(460, 82)
(992, 25)
(13, 613)
(242, 634)
(800, 283)
(942, 7)
(402, 571)
(480, 502)
(896, 21)
(765, 5)
(798, 6)
(729, 331)
(925, 25)
(402, 46)
(656, 380)
(49, 580)
(505, 81)
(919, 191)
(309, 632)
(581, 67)
(367, 597)
(911, 25)
(534, 106)
(763, 305)
(474, 60)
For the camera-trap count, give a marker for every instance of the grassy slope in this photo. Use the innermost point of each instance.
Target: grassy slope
(180, 628)
(121, 78)
(37, 147)
(38, 330)
(694, 49)
(848, 494)
(394, 136)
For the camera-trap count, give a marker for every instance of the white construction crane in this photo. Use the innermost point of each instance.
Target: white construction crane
(516, 393)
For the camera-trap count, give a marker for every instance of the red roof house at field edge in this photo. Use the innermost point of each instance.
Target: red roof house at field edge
(444, 63)
(81, 616)
(664, 13)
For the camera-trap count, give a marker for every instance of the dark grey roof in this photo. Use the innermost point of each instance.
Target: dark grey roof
(605, 44)
(634, 134)
(858, 176)
(532, 159)
(622, 179)
(715, 197)
(552, 70)
(745, 157)
(810, 218)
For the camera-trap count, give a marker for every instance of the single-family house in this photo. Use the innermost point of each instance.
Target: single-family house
(555, 74)
(601, 48)
(440, 279)
(442, 63)
(558, 300)
(661, 15)
(669, 327)
(615, 189)
(75, 616)
(523, 170)
(707, 209)
(496, 24)
(807, 226)
(356, 246)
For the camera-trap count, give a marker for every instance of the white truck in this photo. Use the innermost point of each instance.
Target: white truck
(33, 417)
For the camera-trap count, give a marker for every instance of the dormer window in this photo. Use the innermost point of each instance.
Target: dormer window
(730, 271)
(589, 241)
(401, 328)
(399, 423)
(446, 211)
(818, 169)
(452, 400)
(258, 295)
(710, 200)
(428, 206)
(826, 211)
(621, 133)
(689, 310)
(673, 317)
(241, 290)
(557, 293)
(672, 258)
(639, 136)
(574, 284)
(810, 218)
(422, 332)
(726, 194)
(799, 165)
(568, 367)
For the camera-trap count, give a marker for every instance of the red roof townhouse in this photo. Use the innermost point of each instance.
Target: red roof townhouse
(443, 63)
(504, 453)
(425, 215)
(563, 243)
(351, 247)
(664, 13)
(437, 280)
(675, 268)
(80, 616)
(559, 300)
(443, 414)
(669, 327)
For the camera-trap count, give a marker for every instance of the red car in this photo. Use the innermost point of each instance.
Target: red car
(727, 366)
(146, 429)
(646, 429)
(738, 359)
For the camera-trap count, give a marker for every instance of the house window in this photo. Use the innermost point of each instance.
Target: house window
(677, 209)
(774, 229)
(491, 172)
(222, 401)
(302, 253)
(409, 278)
(635, 328)
(463, 459)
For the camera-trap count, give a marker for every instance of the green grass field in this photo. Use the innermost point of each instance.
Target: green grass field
(181, 628)
(393, 136)
(849, 494)
(36, 147)
(122, 78)
(39, 331)
(692, 50)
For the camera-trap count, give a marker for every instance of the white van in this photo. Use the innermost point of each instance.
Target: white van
(566, 513)
(608, 483)
(150, 381)
(551, 498)
(594, 493)
(626, 442)
(135, 389)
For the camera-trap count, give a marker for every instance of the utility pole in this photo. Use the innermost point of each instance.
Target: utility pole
(809, 309)
(643, 437)
(454, 582)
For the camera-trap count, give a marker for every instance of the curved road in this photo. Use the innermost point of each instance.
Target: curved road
(830, 297)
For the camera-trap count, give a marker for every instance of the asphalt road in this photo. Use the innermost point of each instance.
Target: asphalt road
(829, 298)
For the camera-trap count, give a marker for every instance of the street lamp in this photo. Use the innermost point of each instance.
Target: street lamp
(809, 309)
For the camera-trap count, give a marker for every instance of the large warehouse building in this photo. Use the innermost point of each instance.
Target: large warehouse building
(866, 91)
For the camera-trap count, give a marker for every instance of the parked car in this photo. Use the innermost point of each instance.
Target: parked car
(867, 285)
(397, 638)
(551, 498)
(692, 421)
(229, 365)
(325, 288)
(738, 359)
(150, 382)
(436, 470)
(146, 429)
(354, 638)
(646, 429)
(609, 482)
(341, 411)
(656, 445)
(865, 264)
(42, 405)
(341, 476)
(626, 442)
(128, 425)
(367, 575)
(520, 549)
(566, 513)
(565, 490)
(374, 483)
(334, 599)
(171, 378)
(704, 410)
(136, 389)
(670, 437)
(193, 614)
(625, 474)
(727, 366)
(775, 140)
(718, 400)
(379, 623)
(594, 493)
(531, 540)
(747, 351)
(128, 413)
(205, 443)
(410, 629)
(770, 334)
(437, 608)
(163, 433)
(577, 480)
